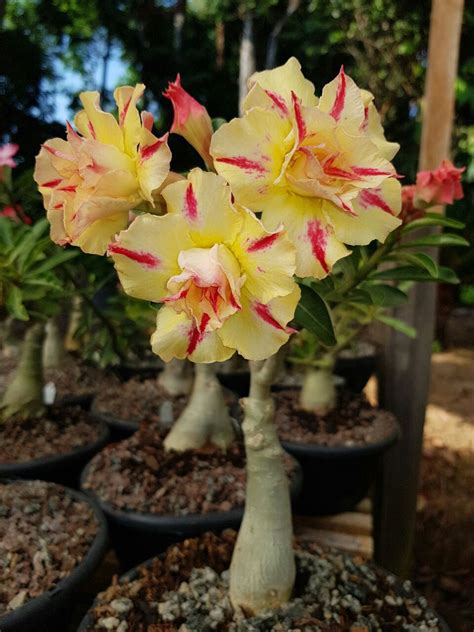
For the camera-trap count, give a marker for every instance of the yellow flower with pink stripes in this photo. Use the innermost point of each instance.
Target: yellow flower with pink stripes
(106, 168)
(225, 282)
(319, 166)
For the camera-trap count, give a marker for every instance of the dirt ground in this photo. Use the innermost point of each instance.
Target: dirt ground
(444, 548)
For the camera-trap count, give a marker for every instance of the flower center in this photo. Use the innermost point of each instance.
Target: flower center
(208, 288)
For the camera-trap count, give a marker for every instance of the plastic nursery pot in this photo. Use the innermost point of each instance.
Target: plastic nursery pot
(336, 478)
(143, 371)
(50, 612)
(119, 428)
(357, 370)
(64, 469)
(137, 536)
(87, 622)
(236, 381)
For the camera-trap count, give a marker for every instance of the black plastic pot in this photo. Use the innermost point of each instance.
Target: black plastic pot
(50, 612)
(132, 574)
(336, 478)
(143, 371)
(356, 371)
(64, 469)
(236, 381)
(119, 428)
(137, 536)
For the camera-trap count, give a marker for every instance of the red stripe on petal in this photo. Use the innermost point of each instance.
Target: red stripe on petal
(370, 171)
(340, 99)
(71, 131)
(190, 203)
(91, 129)
(146, 259)
(196, 334)
(123, 113)
(51, 184)
(264, 313)
(370, 197)
(318, 238)
(365, 122)
(70, 188)
(243, 163)
(263, 242)
(278, 101)
(298, 116)
(148, 151)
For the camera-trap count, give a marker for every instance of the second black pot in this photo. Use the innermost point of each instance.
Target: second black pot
(336, 478)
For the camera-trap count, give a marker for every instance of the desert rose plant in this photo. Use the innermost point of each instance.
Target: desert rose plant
(319, 173)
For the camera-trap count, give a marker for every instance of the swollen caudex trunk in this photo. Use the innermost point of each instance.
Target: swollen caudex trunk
(176, 377)
(205, 418)
(54, 351)
(262, 572)
(71, 342)
(24, 394)
(318, 394)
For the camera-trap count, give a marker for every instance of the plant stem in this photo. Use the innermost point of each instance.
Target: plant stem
(54, 352)
(24, 394)
(176, 377)
(262, 572)
(205, 419)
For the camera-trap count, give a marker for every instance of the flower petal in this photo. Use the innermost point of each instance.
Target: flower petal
(146, 254)
(317, 248)
(126, 98)
(268, 259)
(341, 98)
(372, 126)
(249, 153)
(259, 330)
(204, 203)
(153, 164)
(99, 125)
(272, 89)
(97, 237)
(177, 337)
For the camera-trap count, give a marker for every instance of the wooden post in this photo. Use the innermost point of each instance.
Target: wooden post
(406, 368)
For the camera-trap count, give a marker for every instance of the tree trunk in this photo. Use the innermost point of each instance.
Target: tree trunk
(178, 24)
(75, 315)
(24, 394)
(176, 378)
(205, 419)
(318, 394)
(272, 46)
(262, 572)
(220, 44)
(247, 57)
(54, 352)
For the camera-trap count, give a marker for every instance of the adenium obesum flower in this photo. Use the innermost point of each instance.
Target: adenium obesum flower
(409, 212)
(191, 119)
(92, 180)
(441, 186)
(225, 282)
(320, 167)
(6, 157)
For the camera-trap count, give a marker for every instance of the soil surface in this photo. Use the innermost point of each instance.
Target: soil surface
(44, 535)
(60, 431)
(187, 591)
(77, 379)
(353, 422)
(137, 474)
(136, 401)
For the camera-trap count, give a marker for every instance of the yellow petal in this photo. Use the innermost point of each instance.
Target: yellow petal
(204, 202)
(377, 211)
(126, 98)
(153, 164)
(259, 330)
(101, 125)
(97, 237)
(272, 89)
(146, 255)
(267, 259)
(249, 153)
(317, 248)
(373, 127)
(341, 98)
(175, 337)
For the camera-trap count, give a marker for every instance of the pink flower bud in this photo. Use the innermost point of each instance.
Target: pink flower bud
(6, 155)
(191, 119)
(441, 186)
(409, 212)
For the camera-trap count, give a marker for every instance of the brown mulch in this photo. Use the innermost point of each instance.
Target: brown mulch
(44, 535)
(59, 431)
(137, 474)
(78, 379)
(136, 401)
(353, 422)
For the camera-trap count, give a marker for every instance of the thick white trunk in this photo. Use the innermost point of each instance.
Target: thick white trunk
(246, 57)
(54, 351)
(262, 572)
(176, 377)
(318, 394)
(24, 394)
(205, 419)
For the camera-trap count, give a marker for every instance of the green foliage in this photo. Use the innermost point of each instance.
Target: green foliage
(312, 313)
(30, 287)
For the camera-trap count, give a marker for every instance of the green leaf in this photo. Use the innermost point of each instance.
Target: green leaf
(218, 122)
(14, 304)
(441, 240)
(56, 260)
(386, 295)
(412, 273)
(397, 324)
(419, 259)
(432, 219)
(361, 296)
(313, 314)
